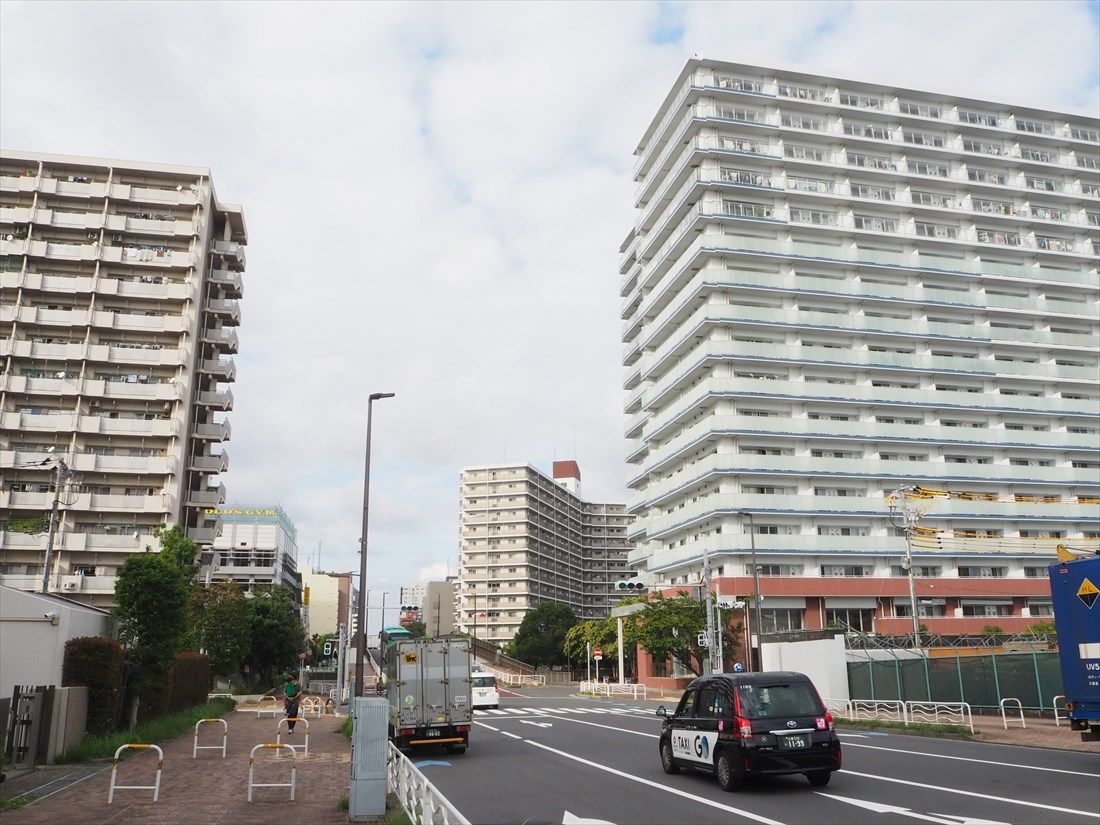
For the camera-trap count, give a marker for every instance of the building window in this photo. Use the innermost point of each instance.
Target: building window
(856, 570)
(858, 619)
(984, 610)
(778, 619)
(982, 572)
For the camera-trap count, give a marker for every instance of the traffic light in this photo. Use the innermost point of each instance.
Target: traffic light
(629, 586)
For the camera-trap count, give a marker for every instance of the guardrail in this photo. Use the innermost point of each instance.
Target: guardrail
(225, 738)
(293, 770)
(940, 713)
(1004, 714)
(155, 787)
(523, 679)
(422, 802)
(1054, 704)
(614, 689)
(881, 710)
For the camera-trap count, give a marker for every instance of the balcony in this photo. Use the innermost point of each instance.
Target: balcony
(213, 463)
(221, 368)
(217, 432)
(232, 251)
(224, 338)
(230, 282)
(210, 497)
(221, 400)
(228, 311)
(204, 535)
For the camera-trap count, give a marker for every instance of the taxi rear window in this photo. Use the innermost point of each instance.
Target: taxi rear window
(766, 701)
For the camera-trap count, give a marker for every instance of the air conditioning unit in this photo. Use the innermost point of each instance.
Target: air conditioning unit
(70, 585)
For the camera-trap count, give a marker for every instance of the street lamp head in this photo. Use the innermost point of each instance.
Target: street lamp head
(375, 396)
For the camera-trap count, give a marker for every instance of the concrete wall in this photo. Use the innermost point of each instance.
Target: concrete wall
(32, 646)
(823, 660)
(439, 611)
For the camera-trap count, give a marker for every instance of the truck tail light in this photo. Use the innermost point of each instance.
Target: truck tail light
(463, 728)
(406, 731)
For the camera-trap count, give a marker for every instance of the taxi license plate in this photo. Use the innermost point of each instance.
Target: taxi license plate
(791, 742)
(433, 732)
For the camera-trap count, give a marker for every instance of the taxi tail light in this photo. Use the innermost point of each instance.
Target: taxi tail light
(744, 728)
(830, 720)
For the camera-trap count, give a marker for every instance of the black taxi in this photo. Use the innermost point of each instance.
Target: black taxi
(743, 724)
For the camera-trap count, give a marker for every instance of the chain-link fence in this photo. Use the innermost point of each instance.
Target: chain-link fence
(983, 681)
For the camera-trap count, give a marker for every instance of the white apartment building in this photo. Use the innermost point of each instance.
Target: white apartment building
(119, 284)
(836, 288)
(527, 538)
(257, 545)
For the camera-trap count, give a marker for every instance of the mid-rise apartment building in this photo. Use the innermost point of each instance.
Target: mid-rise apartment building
(257, 545)
(119, 289)
(528, 538)
(332, 598)
(834, 289)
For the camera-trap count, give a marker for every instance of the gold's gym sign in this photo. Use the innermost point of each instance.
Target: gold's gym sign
(238, 511)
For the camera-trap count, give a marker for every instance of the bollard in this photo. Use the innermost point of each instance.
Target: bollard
(155, 787)
(274, 707)
(252, 766)
(279, 734)
(225, 738)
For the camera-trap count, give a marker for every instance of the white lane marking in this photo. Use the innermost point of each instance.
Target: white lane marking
(856, 736)
(1090, 814)
(511, 735)
(971, 759)
(573, 819)
(510, 692)
(537, 724)
(701, 800)
(880, 808)
(609, 727)
(490, 727)
(498, 712)
(521, 711)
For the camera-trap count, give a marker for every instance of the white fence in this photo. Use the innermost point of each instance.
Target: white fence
(523, 679)
(421, 801)
(941, 713)
(881, 711)
(908, 713)
(614, 689)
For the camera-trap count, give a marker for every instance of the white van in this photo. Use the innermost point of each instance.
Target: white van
(484, 690)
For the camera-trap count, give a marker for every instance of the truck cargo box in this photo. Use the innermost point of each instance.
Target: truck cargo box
(429, 691)
(1075, 591)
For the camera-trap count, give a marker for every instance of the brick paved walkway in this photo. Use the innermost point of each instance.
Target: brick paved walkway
(210, 790)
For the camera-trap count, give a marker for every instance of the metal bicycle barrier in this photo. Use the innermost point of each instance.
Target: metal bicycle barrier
(881, 710)
(252, 767)
(274, 709)
(225, 738)
(422, 802)
(219, 696)
(1054, 704)
(279, 734)
(1004, 714)
(940, 713)
(311, 705)
(155, 787)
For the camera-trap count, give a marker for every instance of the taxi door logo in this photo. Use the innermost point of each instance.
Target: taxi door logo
(1087, 593)
(702, 747)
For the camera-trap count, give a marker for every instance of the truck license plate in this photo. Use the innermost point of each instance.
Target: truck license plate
(433, 732)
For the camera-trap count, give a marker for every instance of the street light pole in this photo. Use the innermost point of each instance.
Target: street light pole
(61, 471)
(361, 606)
(755, 587)
(711, 646)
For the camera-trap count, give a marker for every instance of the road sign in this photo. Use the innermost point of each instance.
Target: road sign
(328, 648)
(597, 653)
(1086, 592)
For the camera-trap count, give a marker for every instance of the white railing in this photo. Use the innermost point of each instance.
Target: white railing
(423, 804)
(523, 679)
(1004, 714)
(882, 710)
(940, 713)
(614, 689)
(1054, 704)
(839, 707)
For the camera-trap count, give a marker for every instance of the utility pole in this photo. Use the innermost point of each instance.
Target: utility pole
(756, 597)
(340, 664)
(904, 515)
(710, 611)
(721, 627)
(61, 472)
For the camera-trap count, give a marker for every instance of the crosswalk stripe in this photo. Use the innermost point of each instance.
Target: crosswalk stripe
(521, 711)
(498, 712)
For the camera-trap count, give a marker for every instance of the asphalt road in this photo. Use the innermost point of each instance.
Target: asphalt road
(548, 757)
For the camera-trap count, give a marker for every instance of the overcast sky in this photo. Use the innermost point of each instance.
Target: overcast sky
(435, 196)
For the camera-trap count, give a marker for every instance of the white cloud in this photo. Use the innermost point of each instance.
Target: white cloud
(436, 194)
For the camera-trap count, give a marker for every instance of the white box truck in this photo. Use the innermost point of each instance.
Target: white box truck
(430, 693)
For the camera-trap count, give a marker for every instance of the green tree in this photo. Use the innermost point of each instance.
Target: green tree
(152, 595)
(417, 629)
(277, 633)
(540, 639)
(670, 628)
(221, 625)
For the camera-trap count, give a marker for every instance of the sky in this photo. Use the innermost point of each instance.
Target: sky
(435, 197)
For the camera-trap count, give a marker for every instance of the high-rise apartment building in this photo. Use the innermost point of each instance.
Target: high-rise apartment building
(120, 283)
(257, 545)
(527, 538)
(834, 289)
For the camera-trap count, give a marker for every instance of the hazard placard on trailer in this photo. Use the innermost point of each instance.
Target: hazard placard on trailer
(1087, 593)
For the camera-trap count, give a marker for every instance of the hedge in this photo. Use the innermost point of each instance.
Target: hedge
(97, 663)
(188, 681)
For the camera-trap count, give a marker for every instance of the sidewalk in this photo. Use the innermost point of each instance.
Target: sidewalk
(1039, 733)
(211, 790)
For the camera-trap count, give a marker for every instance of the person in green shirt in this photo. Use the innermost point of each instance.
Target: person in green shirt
(292, 695)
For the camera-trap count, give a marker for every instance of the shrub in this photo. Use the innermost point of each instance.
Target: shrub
(188, 681)
(992, 630)
(97, 663)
